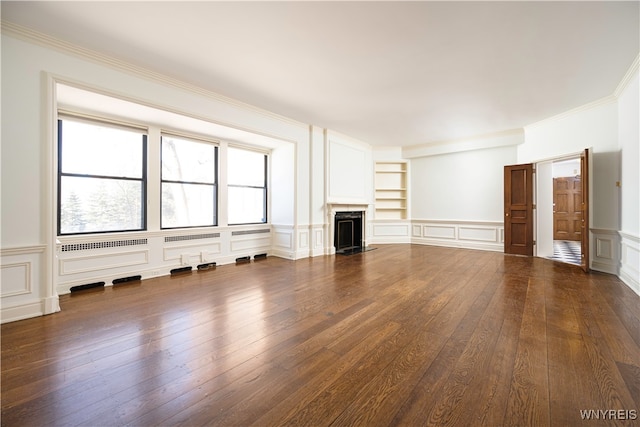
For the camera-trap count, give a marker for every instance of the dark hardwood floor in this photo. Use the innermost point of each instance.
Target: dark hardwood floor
(402, 335)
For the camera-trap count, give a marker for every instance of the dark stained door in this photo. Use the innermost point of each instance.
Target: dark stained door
(518, 209)
(584, 229)
(567, 208)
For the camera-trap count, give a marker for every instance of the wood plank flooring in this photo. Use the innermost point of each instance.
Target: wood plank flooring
(403, 335)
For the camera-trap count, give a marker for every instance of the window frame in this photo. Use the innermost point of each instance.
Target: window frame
(60, 174)
(215, 185)
(265, 203)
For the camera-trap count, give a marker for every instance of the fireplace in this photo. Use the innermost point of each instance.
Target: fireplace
(348, 232)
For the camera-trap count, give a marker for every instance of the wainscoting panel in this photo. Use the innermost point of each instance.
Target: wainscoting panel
(284, 237)
(478, 234)
(630, 261)
(102, 261)
(16, 279)
(250, 244)
(318, 231)
(23, 292)
(483, 235)
(172, 253)
(604, 251)
(439, 232)
(390, 231)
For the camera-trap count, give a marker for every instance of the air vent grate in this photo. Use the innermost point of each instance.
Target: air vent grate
(240, 233)
(191, 237)
(100, 245)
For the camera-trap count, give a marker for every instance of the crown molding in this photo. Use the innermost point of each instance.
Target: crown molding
(610, 99)
(506, 138)
(633, 69)
(35, 37)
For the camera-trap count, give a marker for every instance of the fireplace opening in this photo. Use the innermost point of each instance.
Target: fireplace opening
(348, 232)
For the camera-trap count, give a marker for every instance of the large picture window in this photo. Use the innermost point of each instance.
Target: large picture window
(189, 183)
(101, 178)
(247, 186)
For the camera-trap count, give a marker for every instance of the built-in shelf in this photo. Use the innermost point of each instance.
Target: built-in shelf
(391, 190)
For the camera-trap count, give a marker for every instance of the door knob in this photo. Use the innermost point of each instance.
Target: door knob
(507, 214)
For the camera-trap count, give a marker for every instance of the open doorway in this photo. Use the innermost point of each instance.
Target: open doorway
(562, 211)
(567, 211)
(548, 226)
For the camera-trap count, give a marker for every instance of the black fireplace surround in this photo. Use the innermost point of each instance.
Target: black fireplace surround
(348, 232)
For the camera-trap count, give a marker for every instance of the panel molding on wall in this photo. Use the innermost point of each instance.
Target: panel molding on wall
(605, 253)
(22, 294)
(483, 235)
(102, 261)
(630, 261)
(349, 170)
(283, 241)
(390, 231)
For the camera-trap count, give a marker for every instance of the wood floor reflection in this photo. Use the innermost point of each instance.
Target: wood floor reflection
(403, 335)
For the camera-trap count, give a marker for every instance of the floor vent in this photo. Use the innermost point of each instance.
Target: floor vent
(243, 232)
(243, 259)
(207, 266)
(259, 257)
(181, 270)
(191, 237)
(87, 286)
(127, 279)
(100, 245)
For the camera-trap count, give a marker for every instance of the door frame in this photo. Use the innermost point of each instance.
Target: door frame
(540, 211)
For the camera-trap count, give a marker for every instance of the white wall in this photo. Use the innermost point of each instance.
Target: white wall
(596, 127)
(457, 198)
(629, 143)
(460, 186)
(629, 137)
(350, 170)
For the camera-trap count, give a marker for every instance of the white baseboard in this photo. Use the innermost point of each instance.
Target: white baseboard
(21, 312)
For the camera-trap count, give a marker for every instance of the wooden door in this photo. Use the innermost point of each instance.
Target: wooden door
(584, 221)
(567, 208)
(518, 209)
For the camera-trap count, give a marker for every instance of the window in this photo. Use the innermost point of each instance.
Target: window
(189, 184)
(101, 177)
(247, 186)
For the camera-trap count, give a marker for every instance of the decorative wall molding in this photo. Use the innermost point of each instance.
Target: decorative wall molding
(16, 279)
(205, 251)
(604, 251)
(586, 107)
(483, 235)
(630, 261)
(103, 261)
(633, 69)
(390, 231)
(22, 294)
(479, 142)
(283, 243)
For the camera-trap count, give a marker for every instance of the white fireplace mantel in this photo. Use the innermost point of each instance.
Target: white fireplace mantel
(332, 208)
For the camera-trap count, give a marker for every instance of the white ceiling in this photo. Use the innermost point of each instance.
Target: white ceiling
(387, 73)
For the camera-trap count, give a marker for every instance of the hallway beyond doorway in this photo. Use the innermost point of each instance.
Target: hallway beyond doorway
(566, 251)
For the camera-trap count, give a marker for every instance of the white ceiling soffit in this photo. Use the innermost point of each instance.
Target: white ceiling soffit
(82, 101)
(387, 73)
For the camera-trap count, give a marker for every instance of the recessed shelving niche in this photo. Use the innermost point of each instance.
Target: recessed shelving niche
(391, 190)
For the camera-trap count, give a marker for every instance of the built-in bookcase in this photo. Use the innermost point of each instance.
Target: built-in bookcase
(391, 190)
